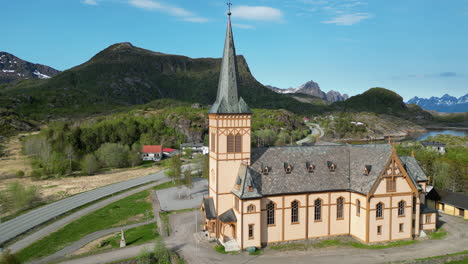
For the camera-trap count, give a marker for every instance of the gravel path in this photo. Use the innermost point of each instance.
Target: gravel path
(189, 198)
(28, 221)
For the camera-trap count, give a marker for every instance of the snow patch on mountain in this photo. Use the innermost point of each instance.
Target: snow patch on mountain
(446, 103)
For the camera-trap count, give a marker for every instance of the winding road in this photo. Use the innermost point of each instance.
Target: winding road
(315, 130)
(25, 222)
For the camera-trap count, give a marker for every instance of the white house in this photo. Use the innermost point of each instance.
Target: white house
(152, 152)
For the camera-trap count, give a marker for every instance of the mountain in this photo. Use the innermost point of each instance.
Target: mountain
(123, 75)
(382, 101)
(312, 88)
(14, 69)
(445, 104)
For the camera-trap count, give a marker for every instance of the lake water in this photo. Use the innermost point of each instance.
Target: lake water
(431, 133)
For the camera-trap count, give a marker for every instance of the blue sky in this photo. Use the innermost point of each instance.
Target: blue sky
(414, 47)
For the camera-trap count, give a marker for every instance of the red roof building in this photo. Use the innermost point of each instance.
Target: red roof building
(152, 149)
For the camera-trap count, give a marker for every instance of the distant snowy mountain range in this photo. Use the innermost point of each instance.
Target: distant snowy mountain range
(446, 103)
(13, 69)
(312, 88)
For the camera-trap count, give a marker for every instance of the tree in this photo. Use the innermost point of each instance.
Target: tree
(188, 181)
(203, 165)
(8, 258)
(174, 168)
(161, 252)
(134, 158)
(17, 197)
(113, 155)
(89, 164)
(70, 154)
(188, 153)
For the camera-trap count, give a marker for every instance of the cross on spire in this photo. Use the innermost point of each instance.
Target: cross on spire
(229, 4)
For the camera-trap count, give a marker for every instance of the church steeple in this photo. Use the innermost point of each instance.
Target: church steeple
(227, 100)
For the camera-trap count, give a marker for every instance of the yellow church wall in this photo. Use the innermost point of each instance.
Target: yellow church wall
(272, 233)
(358, 222)
(318, 228)
(339, 226)
(255, 220)
(295, 231)
(374, 222)
(402, 186)
(406, 220)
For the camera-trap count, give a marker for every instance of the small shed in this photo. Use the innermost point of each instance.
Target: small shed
(434, 145)
(448, 202)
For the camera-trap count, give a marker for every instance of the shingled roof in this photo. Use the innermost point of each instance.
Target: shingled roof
(247, 178)
(350, 161)
(413, 168)
(228, 217)
(210, 212)
(459, 200)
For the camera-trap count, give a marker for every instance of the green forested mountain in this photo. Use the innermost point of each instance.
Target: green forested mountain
(124, 75)
(382, 101)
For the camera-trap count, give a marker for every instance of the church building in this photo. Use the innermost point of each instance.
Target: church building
(259, 196)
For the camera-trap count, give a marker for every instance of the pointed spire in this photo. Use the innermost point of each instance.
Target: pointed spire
(227, 100)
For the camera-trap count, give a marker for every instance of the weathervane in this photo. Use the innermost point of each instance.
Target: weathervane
(229, 4)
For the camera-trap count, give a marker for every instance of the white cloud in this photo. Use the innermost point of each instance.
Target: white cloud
(261, 13)
(348, 19)
(171, 10)
(90, 2)
(243, 26)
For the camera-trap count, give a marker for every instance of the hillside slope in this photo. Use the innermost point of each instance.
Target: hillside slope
(124, 75)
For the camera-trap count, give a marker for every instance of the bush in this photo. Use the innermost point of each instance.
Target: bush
(8, 258)
(20, 174)
(36, 175)
(113, 155)
(162, 254)
(145, 257)
(18, 197)
(89, 164)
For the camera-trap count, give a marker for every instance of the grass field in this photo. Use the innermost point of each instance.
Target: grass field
(438, 234)
(133, 209)
(338, 243)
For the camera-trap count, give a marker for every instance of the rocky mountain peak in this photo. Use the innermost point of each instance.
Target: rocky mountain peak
(312, 88)
(446, 103)
(14, 69)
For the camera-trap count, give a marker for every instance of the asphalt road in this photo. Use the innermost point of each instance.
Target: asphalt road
(29, 220)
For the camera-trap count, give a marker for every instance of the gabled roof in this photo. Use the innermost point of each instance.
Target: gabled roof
(350, 161)
(210, 212)
(412, 167)
(152, 149)
(228, 217)
(459, 200)
(227, 100)
(248, 178)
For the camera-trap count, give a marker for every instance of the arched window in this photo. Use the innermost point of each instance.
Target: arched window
(379, 210)
(339, 208)
(238, 143)
(230, 143)
(401, 208)
(318, 210)
(358, 207)
(295, 212)
(270, 213)
(251, 208)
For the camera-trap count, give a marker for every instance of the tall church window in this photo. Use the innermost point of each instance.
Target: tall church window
(379, 210)
(358, 207)
(339, 208)
(213, 142)
(251, 231)
(318, 210)
(401, 208)
(238, 143)
(295, 212)
(270, 213)
(230, 143)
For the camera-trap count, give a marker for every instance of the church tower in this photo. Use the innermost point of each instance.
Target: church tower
(229, 132)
